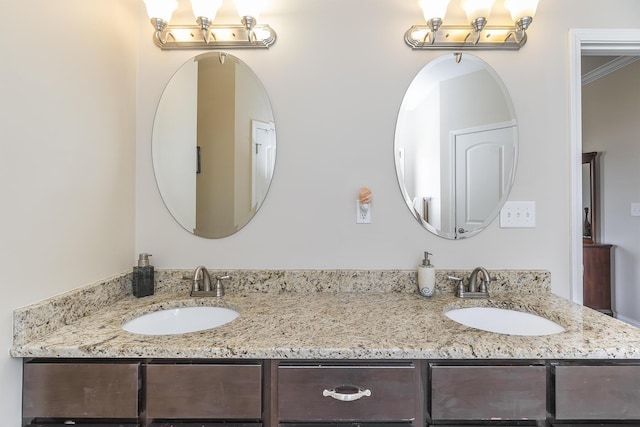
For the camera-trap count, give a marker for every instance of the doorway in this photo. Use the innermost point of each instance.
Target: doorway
(598, 42)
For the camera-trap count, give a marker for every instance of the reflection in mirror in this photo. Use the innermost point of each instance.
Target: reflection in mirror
(589, 197)
(456, 146)
(214, 145)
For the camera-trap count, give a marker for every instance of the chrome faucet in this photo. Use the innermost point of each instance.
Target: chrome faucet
(473, 286)
(474, 290)
(202, 283)
(205, 280)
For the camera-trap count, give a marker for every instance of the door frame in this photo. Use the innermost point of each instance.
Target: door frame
(622, 42)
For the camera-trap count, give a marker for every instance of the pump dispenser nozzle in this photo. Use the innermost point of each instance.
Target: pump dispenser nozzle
(426, 262)
(143, 260)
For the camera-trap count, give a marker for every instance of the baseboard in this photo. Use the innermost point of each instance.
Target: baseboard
(628, 320)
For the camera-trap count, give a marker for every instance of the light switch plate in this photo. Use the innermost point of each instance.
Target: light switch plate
(518, 215)
(635, 209)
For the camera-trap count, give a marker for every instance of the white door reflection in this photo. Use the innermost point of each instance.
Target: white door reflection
(482, 159)
(263, 159)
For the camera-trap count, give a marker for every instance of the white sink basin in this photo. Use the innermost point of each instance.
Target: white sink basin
(504, 321)
(180, 320)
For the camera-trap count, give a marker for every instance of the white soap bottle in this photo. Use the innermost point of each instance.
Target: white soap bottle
(426, 277)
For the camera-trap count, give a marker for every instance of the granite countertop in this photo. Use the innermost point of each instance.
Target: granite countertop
(339, 325)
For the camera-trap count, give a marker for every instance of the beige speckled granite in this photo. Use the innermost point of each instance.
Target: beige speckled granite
(48, 316)
(40, 319)
(278, 281)
(330, 315)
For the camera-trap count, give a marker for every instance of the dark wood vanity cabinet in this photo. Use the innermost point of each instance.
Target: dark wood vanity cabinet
(80, 390)
(101, 424)
(201, 424)
(597, 260)
(470, 393)
(587, 392)
(141, 393)
(203, 391)
(281, 393)
(335, 392)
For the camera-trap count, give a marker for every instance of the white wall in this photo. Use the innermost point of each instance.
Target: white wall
(336, 89)
(611, 126)
(67, 145)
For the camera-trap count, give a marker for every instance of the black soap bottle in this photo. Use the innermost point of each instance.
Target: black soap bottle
(143, 277)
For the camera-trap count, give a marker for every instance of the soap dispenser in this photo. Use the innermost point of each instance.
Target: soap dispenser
(426, 276)
(143, 284)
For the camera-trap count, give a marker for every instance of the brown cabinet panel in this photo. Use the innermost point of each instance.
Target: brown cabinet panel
(80, 390)
(597, 277)
(301, 393)
(590, 425)
(597, 392)
(84, 425)
(204, 391)
(200, 424)
(488, 392)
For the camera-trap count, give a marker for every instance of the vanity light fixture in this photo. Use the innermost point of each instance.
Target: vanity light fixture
(205, 35)
(477, 34)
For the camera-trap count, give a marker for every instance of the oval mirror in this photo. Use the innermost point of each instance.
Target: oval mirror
(213, 145)
(456, 146)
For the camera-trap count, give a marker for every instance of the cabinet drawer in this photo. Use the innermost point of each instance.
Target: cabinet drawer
(302, 392)
(597, 392)
(488, 392)
(85, 425)
(204, 391)
(80, 390)
(203, 424)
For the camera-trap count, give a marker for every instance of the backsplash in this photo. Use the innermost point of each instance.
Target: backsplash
(44, 317)
(243, 281)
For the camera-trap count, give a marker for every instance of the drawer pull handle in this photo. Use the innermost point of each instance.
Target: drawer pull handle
(347, 393)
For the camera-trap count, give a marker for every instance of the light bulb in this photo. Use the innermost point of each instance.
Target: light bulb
(434, 8)
(161, 9)
(206, 8)
(250, 8)
(477, 8)
(521, 8)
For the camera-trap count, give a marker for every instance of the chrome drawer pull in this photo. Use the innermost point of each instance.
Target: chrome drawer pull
(347, 393)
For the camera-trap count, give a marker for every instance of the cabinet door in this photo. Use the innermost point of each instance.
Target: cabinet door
(84, 425)
(204, 391)
(597, 277)
(597, 392)
(306, 393)
(488, 393)
(200, 424)
(591, 425)
(80, 390)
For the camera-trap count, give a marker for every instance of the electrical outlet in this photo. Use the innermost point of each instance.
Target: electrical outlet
(363, 213)
(518, 215)
(635, 209)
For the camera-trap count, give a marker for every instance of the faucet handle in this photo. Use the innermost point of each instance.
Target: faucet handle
(219, 288)
(460, 287)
